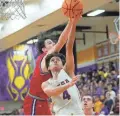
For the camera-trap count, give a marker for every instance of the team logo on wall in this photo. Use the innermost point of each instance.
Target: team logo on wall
(20, 64)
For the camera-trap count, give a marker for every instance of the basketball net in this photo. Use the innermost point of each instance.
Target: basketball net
(12, 9)
(113, 36)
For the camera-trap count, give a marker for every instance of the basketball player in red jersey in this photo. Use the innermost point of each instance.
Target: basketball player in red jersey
(36, 102)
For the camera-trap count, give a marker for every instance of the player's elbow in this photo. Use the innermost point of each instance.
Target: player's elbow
(49, 91)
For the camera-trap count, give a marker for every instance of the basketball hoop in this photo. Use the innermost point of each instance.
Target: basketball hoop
(114, 38)
(116, 23)
(12, 9)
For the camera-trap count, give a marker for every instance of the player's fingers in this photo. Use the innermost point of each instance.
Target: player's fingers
(70, 19)
(78, 17)
(74, 81)
(75, 78)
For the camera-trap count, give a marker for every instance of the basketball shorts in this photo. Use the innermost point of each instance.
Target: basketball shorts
(36, 107)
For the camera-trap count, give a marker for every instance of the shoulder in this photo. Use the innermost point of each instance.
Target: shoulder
(100, 103)
(40, 57)
(63, 73)
(112, 92)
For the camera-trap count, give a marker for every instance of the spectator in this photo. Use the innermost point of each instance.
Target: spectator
(112, 93)
(108, 102)
(115, 85)
(116, 107)
(98, 105)
(114, 74)
(88, 105)
(85, 90)
(102, 98)
(101, 83)
(99, 89)
(104, 111)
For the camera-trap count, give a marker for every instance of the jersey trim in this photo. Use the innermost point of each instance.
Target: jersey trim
(33, 107)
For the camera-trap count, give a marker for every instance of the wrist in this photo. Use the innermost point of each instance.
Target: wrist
(75, 22)
(68, 85)
(70, 22)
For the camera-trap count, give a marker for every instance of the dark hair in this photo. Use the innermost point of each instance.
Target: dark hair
(109, 84)
(49, 56)
(41, 42)
(40, 45)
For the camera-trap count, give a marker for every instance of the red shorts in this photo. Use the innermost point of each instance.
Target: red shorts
(35, 107)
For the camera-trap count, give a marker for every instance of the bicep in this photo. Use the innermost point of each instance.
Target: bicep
(43, 67)
(70, 72)
(69, 69)
(48, 89)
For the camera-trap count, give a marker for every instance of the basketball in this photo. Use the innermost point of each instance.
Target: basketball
(72, 8)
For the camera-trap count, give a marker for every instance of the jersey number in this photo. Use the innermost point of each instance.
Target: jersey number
(66, 95)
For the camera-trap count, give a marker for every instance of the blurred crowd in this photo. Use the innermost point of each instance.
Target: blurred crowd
(103, 86)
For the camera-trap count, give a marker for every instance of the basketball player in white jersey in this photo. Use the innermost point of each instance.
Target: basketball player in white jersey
(61, 87)
(88, 105)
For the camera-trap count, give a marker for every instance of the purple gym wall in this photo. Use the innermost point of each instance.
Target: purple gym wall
(16, 67)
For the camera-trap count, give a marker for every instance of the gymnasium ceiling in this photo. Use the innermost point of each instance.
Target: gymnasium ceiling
(43, 15)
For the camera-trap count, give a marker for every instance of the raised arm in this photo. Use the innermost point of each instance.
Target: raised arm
(69, 67)
(59, 89)
(61, 41)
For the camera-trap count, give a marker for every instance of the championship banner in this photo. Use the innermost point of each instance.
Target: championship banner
(112, 48)
(105, 48)
(99, 51)
(16, 67)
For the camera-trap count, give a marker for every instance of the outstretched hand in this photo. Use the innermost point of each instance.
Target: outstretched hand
(75, 19)
(74, 80)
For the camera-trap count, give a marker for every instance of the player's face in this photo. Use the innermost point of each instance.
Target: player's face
(109, 87)
(49, 44)
(87, 102)
(55, 64)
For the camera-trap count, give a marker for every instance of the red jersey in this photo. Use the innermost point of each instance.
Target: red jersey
(38, 78)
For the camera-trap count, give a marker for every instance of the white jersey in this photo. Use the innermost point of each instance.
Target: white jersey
(69, 102)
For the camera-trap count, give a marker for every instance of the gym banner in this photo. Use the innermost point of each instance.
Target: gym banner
(16, 67)
(106, 49)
